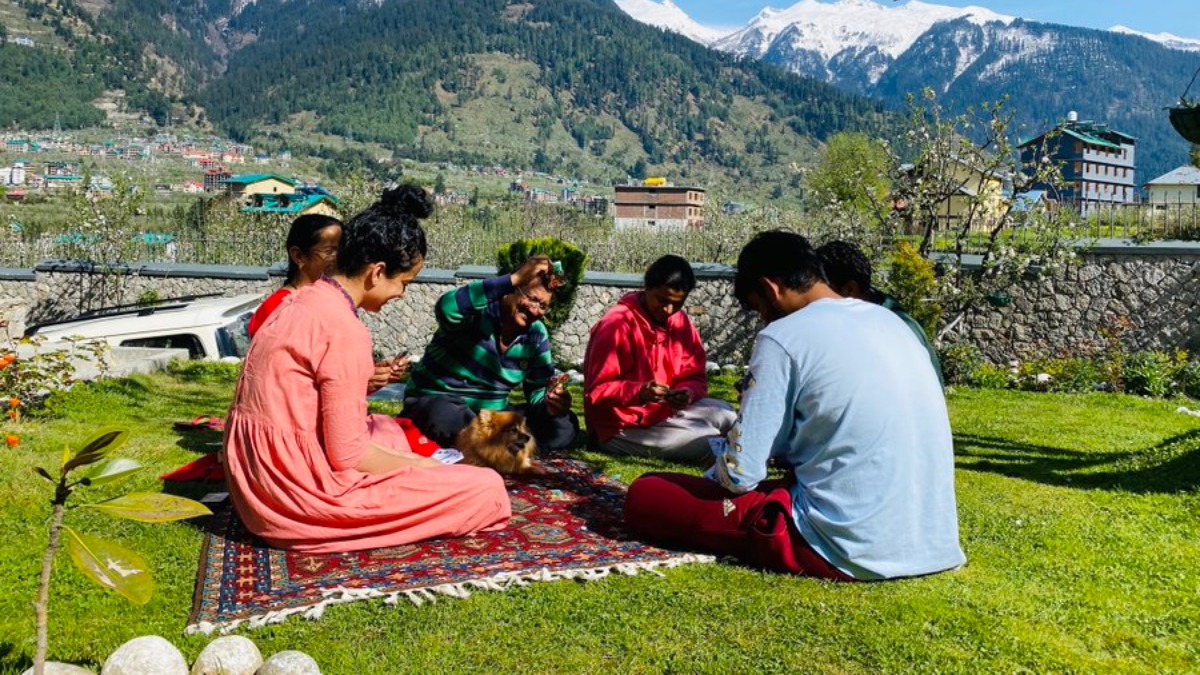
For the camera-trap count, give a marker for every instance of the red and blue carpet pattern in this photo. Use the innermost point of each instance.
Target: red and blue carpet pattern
(566, 525)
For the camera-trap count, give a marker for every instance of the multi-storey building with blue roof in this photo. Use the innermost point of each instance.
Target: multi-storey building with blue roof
(1098, 164)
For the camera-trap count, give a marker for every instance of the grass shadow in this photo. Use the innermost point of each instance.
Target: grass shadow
(13, 660)
(1170, 466)
(199, 441)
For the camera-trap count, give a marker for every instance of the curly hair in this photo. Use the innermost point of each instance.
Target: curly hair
(388, 231)
(845, 262)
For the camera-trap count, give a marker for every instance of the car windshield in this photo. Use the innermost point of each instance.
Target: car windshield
(233, 339)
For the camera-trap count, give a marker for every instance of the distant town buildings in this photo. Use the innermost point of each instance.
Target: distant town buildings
(658, 204)
(1098, 163)
(214, 179)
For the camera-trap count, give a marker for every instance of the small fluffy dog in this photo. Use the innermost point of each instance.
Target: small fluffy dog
(498, 439)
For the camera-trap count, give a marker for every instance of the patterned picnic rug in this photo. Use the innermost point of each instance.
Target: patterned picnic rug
(566, 525)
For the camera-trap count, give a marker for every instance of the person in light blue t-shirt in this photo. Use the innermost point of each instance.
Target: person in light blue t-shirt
(841, 396)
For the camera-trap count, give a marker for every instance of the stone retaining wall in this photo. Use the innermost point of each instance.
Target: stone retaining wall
(1153, 286)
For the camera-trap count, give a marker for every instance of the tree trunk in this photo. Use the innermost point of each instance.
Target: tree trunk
(42, 605)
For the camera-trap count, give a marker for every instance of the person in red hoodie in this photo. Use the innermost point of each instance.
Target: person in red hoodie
(645, 388)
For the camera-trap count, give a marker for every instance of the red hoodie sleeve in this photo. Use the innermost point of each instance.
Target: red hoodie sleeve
(690, 372)
(602, 383)
(266, 309)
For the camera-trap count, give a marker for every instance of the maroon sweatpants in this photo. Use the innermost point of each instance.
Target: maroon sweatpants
(697, 513)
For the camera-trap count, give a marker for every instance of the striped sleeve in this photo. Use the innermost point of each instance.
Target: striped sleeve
(459, 307)
(541, 365)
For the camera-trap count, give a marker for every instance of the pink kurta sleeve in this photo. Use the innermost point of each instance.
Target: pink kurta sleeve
(341, 375)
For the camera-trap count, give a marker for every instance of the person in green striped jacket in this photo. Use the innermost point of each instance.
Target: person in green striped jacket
(489, 341)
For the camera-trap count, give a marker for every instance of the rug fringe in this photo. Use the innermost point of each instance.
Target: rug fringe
(462, 590)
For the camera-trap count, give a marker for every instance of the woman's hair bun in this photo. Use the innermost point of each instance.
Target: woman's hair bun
(408, 198)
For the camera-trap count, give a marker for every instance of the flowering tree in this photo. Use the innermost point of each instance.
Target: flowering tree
(956, 186)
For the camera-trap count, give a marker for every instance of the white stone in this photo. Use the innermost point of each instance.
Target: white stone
(711, 367)
(146, 655)
(729, 367)
(59, 668)
(575, 376)
(290, 663)
(229, 655)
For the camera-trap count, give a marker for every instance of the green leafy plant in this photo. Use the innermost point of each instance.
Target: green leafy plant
(510, 257)
(1153, 373)
(914, 285)
(148, 297)
(959, 361)
(30, 373)
(988, 376)
(109, 565)
(1187, 381)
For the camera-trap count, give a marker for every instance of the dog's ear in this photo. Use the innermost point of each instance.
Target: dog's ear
(484, 416)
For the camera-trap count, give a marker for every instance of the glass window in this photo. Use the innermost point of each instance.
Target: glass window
(182, 341)
(233, 339)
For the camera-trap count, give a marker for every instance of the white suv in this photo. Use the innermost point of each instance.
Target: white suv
(209, 328)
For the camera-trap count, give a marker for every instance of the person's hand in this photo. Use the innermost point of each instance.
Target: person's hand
(652, 392)
(537, 267)
(678, 399)
(389, 372)
(558, 401)
(379, 378)
(398, 368)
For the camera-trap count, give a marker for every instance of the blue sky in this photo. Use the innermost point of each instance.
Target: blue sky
(1180, 17)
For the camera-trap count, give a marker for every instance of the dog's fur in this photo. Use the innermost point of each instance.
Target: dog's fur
(498, 439)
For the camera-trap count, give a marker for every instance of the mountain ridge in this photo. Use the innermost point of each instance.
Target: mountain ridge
(971, 55)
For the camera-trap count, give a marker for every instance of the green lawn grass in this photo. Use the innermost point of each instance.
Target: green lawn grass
(1080, 517)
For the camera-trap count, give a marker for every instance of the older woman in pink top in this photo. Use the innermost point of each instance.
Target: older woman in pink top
(308, 469)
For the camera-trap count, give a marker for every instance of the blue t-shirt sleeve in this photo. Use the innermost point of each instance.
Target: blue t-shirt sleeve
(765, 422)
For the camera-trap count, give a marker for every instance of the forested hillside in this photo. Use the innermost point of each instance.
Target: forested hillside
(1047, 70)
(562, 85)
(455, 79)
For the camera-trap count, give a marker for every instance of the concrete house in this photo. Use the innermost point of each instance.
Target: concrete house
(658, 205)
(1098, 163)
(1178, 186)
(246, 186)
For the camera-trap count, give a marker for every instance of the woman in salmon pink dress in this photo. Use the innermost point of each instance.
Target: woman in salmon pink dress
(308, 469)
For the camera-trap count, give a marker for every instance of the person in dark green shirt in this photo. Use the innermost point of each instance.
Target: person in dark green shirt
(849, 272)
(489, 341)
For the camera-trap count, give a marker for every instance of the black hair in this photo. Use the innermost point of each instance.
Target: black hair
(304, 234)
(845, 262)
(782, 256)
(388, 231)
(670, 271)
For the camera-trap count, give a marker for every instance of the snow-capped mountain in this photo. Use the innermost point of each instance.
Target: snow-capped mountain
(829, 29)
(969, 55)
(1165, 39)
(668, 16)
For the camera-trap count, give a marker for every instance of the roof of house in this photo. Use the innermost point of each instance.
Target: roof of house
(251, 178)
(289, 204)
(1090, 139)
(1184, 175)
(1025, 201)
(1088, 132)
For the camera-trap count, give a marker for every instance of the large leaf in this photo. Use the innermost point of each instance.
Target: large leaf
(111, 566)
(152, 507)
(97, 447)
(112, 471)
